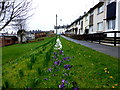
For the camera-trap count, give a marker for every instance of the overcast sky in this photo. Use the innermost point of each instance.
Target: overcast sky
(67, 11)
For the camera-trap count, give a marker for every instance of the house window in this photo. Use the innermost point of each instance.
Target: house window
(100, 9)
(100, 26)
(8, 41)
(91, 28)
(91, 20)
(111, 24)
(86, 18)
(81, 24)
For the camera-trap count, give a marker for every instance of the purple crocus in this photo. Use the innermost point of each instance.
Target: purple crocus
(63, 81)
(50, 69)
(59, 62)
(55, 53)
(62, 85)
(67, 66)
(54, 57)
(45, 79)
(61, 51)
(76, 88)
(68, 57)
(65, 58)
(55, 62)
(66, 81)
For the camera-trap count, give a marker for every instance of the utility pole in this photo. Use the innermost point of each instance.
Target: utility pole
(56, 24)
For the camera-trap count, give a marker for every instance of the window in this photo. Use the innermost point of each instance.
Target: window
(111, 24)
(8, 41)
(100, 9)
(91, 20)
(81, 24)
(86, 18)
(100, 26)
(91, 28)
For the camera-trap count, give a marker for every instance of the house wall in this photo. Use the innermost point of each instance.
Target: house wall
(117, 22)
(99, 18)
(23, 39)
(118, 15)
(85, 22)
(5, 41)
(78, 26)
(81, 28)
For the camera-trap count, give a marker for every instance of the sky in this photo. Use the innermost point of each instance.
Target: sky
(44, 17)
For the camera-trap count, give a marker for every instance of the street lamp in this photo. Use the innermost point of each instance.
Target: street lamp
(56, 24)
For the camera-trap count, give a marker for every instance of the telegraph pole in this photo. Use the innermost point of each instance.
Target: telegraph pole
(56, 24)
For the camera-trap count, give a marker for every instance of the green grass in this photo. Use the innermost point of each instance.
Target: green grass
(16, 51)
(28, 68)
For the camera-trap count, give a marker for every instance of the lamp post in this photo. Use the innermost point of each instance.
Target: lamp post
(56, 24)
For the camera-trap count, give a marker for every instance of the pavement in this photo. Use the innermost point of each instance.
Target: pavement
(109, 50)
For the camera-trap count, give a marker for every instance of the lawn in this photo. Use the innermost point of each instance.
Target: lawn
(39, 65)
(16, 51)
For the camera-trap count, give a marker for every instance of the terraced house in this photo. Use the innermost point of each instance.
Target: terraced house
(102, 17)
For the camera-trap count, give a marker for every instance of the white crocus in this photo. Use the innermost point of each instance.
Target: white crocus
(58, 44)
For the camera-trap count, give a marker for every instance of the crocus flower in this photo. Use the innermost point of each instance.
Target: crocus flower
(55, 53)
(55, 62)
(111, 76)
(68, 57)
(55, 57)
(76, 88)
(67, 66)
(66, 81)
(59, 62)
(63, 81)
(65, 58)
(50, 69)
(61, 51)
(45, 79)
(62, 85)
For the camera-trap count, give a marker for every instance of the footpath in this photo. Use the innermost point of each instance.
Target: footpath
(109, 50)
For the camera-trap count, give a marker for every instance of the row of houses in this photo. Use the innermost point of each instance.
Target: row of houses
(10, 39)
(103, 17)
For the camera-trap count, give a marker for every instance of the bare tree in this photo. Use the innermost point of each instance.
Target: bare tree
(10, 10)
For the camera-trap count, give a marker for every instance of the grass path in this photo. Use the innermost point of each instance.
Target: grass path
(90, 69)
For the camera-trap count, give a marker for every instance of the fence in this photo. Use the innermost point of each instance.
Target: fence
(102, 37)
